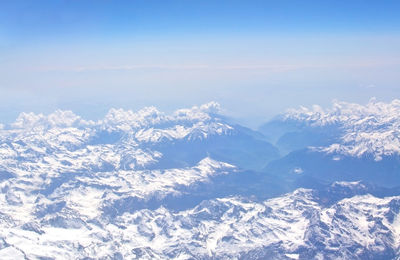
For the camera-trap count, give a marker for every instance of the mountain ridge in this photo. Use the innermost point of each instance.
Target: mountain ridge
(194, 185)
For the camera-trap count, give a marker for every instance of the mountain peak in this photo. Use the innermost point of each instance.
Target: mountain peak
(59, 118)
(373, 128)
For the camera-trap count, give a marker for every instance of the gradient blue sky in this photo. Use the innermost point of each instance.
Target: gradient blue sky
(256, 58)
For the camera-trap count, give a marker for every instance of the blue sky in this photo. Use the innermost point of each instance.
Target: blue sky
(254, 57)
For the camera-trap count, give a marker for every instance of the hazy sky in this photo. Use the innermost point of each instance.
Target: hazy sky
(256, 58)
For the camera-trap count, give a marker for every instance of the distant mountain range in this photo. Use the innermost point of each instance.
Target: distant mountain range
(310, 184)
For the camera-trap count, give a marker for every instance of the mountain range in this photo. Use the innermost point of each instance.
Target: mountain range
(312, 183)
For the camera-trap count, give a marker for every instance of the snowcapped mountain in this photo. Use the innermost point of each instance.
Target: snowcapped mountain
(181, 139)
(355, 130)
(298, 225)
(347, 142)
(192, 185)
(147, 125)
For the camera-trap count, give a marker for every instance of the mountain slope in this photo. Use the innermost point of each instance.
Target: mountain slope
(146, 185)
(298, 225)
(347, 142)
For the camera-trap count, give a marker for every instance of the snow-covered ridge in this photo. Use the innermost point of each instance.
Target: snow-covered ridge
(76, 189)
(118, 118)
(373, 113)
(292, 226)
(145, 125)
(147, 184)
(52, 154)
(373, 128)
(57, 119)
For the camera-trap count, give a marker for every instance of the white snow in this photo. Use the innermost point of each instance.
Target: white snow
(370, 129)
(64, 182)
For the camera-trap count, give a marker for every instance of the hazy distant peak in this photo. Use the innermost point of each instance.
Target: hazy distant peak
(373, 128)
(119, 118)
(345, 113)
(130, 119)
(58, 118)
